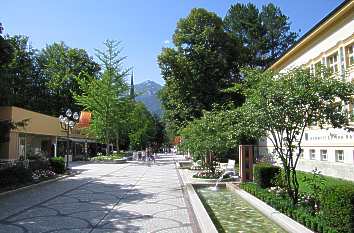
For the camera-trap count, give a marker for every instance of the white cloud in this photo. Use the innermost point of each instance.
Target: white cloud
(166, 42)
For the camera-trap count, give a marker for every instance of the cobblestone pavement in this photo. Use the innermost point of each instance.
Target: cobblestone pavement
(131, 197)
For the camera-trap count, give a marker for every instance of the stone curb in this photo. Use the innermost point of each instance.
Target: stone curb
(206, 225)
(115, 161)
(282, 220)
(204, 221)
(35, 185)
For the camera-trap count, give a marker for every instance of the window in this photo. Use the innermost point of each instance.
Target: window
(351, 111)
(22, 146)
(339, 156)
(318, 68)
(323, 155)
(312, 69)
(349, 50)
(312, 154)
(332, 62)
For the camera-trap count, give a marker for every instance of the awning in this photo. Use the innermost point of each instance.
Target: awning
(83, 140)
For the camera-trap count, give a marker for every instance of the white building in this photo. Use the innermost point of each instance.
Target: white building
(331, 43)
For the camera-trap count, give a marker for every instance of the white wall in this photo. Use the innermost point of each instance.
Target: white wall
(325, 42)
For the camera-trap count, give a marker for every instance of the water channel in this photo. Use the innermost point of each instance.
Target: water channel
(231, 213)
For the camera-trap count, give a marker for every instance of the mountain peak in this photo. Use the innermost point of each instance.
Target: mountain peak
(147, 93)
(149, 83)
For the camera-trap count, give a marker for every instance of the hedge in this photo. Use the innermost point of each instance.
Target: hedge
(38, 164)
(301, 214)
(57, 164)
(337, 207)
(14, 176)
(264, 174)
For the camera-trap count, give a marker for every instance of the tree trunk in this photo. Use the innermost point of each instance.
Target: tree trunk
(117, 142)
(295, 184)
(107, 143)
(211, 162)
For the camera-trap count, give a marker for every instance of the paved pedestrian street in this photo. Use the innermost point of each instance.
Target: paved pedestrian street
(131, 197)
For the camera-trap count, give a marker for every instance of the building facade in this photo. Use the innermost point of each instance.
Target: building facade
(330, 43)
(40, 135)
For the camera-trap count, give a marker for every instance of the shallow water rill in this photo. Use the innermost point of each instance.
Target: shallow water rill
(231, 213)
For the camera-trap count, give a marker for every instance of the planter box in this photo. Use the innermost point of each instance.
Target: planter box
(184, 164)
(115, 161)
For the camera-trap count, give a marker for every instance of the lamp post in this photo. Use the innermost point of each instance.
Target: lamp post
(67, 123)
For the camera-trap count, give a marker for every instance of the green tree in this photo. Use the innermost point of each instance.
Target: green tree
(103, 96)
(205, 60)
(121, 123)
(5, 48)
(282, 105)
(211, 136)
(18, 74)
(141, 127)
(159, 137)
(59, 66)
(264, 34)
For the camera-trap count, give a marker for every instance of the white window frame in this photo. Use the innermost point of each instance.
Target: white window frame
(338, 157)
(312, 153)
(349, 54)
(324, 158)
(333, 62)
(351, 111)
(317, 68)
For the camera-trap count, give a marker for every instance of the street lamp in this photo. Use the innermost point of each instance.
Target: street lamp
(67, 123)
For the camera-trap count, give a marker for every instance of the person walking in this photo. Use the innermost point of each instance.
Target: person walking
(149, 154)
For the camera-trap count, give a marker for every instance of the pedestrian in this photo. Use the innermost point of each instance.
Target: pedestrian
(150, 154)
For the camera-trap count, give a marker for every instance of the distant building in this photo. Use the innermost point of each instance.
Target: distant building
(40, 135)
(132, 91)
(331, 43)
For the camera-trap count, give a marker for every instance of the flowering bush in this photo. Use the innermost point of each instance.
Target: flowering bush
(40, 174)
(208, 175)
(112, 156)
(197, 167)
(278, 191)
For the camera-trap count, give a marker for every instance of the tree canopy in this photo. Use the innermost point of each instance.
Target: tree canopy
(202, 64)
(104, 95)
(264, 34)
(59, 66)
(209, 53)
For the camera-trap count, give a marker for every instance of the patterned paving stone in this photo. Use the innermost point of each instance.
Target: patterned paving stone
(133, 197)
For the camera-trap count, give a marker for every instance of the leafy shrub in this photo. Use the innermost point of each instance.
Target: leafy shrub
(279, 180)
(113, 156)
(320, 222)
(329, 181)
(13, 176)
(57, 164)
(209, 175)
(265, 173)
(36, 157)
(315, 184)
(337, 207)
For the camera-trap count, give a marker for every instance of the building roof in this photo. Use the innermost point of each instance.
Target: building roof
(346, 7)
(37, 123)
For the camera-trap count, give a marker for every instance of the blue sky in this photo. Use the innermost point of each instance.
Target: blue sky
(143, 26)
